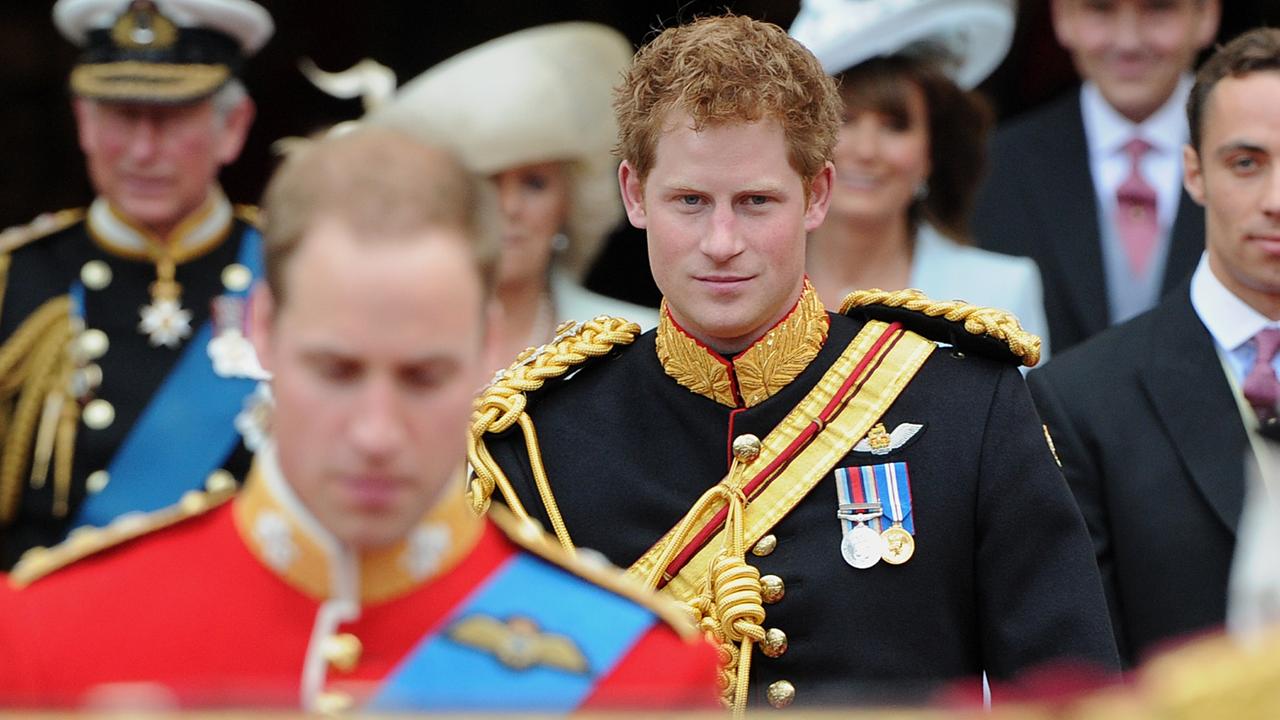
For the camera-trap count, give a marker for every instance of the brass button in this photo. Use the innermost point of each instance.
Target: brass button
(334, 703)
(765, 546)
(96, 481)
(92, 343)
(236, 277)
(220, 481)
(343, 651)
(85, 380)
(781, 694)
(772, 588)
(95, 274)
(746, 447)
(99, 414)
(774, 643)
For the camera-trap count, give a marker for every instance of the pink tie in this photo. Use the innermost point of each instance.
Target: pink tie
(1261, 388)
(1136, 210)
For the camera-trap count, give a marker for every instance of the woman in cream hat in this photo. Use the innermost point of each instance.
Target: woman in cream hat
(911, 152)
(531, 110)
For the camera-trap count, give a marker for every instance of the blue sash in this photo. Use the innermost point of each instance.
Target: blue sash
(441, 674)
(185, 432)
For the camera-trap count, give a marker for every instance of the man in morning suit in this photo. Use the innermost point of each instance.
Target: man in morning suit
(349, 571)
(123, 363)
(855, 513)
(1154, 419)
(1090, 186)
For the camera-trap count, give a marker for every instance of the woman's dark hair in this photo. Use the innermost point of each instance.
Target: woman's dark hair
(959, 124)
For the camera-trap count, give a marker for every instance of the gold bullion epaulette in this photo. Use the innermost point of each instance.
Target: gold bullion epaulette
(529, 535)
(985, 331)
(501, 405)
(250, 214)
(84, 542)
(43, 226)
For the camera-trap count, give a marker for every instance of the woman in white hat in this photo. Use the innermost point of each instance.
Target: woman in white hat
(531, 110)
(911, 152)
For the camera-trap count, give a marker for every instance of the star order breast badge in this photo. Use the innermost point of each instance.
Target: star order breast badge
(165, 322)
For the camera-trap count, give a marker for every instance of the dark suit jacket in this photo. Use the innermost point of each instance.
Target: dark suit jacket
(1154, 448)
(997, 582)
(1039, 201)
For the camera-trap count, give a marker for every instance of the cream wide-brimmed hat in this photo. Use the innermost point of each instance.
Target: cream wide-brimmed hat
(975, 34)
(537, 95)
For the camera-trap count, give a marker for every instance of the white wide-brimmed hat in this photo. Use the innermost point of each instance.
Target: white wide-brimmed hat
(160, 51)
(975, 34)
(537, 95)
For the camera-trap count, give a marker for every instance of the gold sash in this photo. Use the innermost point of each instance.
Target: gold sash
(880, 380)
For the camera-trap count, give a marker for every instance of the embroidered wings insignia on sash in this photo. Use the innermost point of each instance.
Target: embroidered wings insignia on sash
(518, 643)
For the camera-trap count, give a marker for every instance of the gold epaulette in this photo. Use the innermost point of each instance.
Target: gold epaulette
(83, 542)
(250, 214)
(529, 535)
(502, 405)
(998, 332)
(43, 226)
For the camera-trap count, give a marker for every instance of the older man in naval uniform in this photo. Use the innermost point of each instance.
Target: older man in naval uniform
(855, 510)
(123, 363)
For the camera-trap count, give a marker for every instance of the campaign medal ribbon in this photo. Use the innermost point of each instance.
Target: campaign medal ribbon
(861, 545)
(893, 484)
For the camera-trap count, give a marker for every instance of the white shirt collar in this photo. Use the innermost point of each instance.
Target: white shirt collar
(1230, 320)
(1108, 130)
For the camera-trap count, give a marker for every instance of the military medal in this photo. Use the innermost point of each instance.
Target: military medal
(232, 354)
(893, 484)
(164, 320)
(861, 544)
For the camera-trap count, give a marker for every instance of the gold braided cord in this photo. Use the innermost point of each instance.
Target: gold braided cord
(992, 322)
(34, 363)
(502, 406)
(730, 609)
(5, 259)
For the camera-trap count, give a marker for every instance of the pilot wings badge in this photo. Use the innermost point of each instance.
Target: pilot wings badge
(880, 441)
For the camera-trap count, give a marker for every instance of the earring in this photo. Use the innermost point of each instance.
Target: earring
(922, 191)
(559, 242)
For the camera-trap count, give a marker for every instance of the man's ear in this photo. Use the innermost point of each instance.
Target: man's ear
(819, 197)
(85, 125)
(632, 195)
(235, 130)
(261, 322)
(1193, 174)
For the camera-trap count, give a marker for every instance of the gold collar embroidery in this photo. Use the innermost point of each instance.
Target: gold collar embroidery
(290, 542)
(197, 234)
(755, 374)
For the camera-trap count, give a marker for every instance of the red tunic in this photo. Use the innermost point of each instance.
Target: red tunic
(195, 610)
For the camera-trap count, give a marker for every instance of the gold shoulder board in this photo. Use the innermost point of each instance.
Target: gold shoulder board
(83, 542)
(43, 226)
(997, 333)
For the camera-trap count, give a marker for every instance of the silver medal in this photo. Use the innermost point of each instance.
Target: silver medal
(862, 546)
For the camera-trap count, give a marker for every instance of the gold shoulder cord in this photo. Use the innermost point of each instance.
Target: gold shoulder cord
(503, 403)
(38, 414)
(977, 320)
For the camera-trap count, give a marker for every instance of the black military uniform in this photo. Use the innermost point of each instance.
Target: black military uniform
(113, 369)
(1002, 578)
(123, 362)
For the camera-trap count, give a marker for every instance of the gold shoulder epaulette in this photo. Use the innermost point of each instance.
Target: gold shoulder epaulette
(43, 226)
(987, 331)
(529, 535)
(250, 214)
(83, 542)
(501, 405)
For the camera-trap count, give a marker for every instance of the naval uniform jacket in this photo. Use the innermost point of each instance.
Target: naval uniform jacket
(131, 368)
(1039, 200)
(250, 603)
(1154, 448)
(1002, 579)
